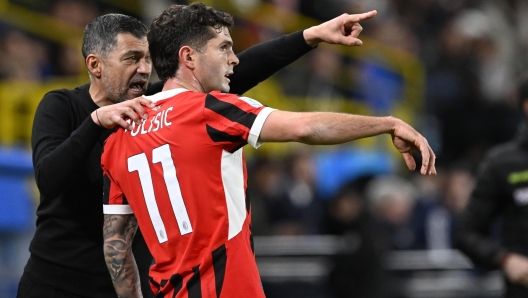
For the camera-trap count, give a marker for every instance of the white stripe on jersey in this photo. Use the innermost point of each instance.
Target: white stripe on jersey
(254, 133)
(117, 209)
(233, 181)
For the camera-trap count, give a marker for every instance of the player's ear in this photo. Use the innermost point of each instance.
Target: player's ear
(94, 65)
(186, 56)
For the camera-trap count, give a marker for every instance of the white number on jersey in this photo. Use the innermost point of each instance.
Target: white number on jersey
(140, 164)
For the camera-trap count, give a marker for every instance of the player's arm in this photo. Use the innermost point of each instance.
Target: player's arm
(118, 231)
(263, 60)
(326, 128)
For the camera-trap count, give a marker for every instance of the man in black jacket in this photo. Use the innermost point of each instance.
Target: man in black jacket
(66, 256)
(501, 191)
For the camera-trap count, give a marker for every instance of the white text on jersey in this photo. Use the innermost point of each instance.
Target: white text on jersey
(153, 124)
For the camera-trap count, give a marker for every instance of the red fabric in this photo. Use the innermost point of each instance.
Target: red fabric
(181, 122)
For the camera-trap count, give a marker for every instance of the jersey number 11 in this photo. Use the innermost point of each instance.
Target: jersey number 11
(140, 164)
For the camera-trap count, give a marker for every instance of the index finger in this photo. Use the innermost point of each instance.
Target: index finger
(146, 102)
(361, 16)
(138, 104)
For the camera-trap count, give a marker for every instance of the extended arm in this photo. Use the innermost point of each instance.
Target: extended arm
(263, 60)
(118, 232)
(325, 128)
(259, 62)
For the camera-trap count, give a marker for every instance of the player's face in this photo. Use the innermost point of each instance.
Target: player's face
(216, 62)
(127, 68)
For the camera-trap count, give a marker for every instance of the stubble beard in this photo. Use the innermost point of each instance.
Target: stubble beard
(116, 94)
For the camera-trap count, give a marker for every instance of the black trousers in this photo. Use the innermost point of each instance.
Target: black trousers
(29, 287)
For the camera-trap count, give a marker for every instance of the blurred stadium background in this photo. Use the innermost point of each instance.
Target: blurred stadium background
(320, 213)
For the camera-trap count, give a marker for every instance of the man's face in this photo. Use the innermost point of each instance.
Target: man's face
(216, 62)
(127, 68)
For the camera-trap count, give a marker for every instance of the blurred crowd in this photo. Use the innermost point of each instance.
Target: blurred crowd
(473, 52)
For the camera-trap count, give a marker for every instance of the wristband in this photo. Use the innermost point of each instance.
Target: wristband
(98, 118)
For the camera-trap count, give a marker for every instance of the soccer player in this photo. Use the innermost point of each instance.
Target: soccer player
(66, 258)
(181, 175)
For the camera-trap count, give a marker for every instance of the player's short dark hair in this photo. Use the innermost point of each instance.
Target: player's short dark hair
(181, 25)
(100, 35)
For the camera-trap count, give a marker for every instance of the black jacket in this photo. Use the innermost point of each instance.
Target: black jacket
(501, 192)
(67, 249)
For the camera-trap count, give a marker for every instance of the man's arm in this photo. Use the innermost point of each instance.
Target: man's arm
(472, 233)
(261, 61)
(326, 128)
(59, 148)
(114, 115)
(118, 232)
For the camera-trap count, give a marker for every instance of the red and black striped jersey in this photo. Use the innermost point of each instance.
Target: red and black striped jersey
(183, 175)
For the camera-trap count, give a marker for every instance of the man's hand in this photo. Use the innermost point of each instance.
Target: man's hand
(406, 139)
(112, 115)
(516, 269)
(341, 30)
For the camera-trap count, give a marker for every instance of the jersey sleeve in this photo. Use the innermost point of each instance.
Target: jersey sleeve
(234, 120)
(114, 201)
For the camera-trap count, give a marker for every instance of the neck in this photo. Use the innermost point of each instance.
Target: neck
(184, 79)
(98, 94)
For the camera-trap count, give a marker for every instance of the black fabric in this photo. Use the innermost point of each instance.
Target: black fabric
(177, 281)
(493, 199)
(263, 60)
(220, 136)
(106, 190)
(194, 284)
(219, 265)
(67, 248)
(30, 287)
(229, 111)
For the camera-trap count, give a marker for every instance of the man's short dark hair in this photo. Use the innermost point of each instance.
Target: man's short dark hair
(181, 25)
(100, 35)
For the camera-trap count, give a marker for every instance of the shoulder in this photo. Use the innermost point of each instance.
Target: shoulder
(503, 157)
(240, 101)
(503, 152)
(58, 96)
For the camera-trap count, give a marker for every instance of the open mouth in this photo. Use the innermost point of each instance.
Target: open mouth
(137, 87)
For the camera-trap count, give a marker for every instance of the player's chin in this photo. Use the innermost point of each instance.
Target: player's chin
(225, 87)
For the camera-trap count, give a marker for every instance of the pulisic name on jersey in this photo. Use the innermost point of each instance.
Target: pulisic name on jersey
(152, 124)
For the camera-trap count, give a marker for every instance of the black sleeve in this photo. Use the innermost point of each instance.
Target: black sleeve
(261, 61)
(58, 150)
(472, 234)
